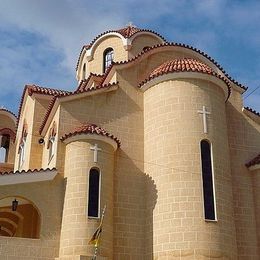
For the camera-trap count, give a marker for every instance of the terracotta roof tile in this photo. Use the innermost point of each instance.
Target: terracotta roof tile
(183, 65)
(252, 111)
(179, 65)
(40, 90)
(29, 171)
(91, 129)
(165, 45)
(254, 161)
(46, 91)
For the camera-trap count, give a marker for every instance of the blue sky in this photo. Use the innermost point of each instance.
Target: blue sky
(40, 40)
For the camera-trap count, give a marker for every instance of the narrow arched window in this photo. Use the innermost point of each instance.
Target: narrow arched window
(84, 71)
(4, 147)
(208, 181)
(94, 193)
(22, 146)
(108, 58)
(51, 141)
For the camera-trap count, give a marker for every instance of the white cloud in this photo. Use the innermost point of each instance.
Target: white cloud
(65, 25)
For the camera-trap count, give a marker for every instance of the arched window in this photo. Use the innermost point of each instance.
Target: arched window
(51, 141)
(21, 150)
(84, 71)
(208, 181)
(4, 147)
(108, 58)
(94, 193)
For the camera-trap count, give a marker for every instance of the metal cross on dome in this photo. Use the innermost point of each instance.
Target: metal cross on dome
(95, 149)
(130, 24)
(204, 116)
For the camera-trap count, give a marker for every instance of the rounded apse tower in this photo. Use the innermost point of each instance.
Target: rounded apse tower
(89, 167)
(186, 145)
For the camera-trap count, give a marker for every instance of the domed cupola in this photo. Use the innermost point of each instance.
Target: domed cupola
(114, 45)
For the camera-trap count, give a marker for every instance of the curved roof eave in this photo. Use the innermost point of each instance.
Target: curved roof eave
(202, 55)
(214, 78)
(127, 42)
(9, 114)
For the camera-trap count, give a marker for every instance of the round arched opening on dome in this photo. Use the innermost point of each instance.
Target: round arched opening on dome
(108, 58)
(4, 147)
(22, 221)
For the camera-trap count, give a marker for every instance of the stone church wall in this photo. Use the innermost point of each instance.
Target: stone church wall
(173, 130)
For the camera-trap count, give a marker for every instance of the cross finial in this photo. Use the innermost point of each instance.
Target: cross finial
(204, 113)
(130, 24)
(95, 149)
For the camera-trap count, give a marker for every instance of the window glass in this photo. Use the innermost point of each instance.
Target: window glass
(94, 193)
(108, 58)
(208, 182)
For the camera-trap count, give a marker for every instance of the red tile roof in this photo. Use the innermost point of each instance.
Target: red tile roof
(84, 82)
(46, 91)
(179, 65)
(252, 111)
(91, 129)
(126, 32)
(254, 161)
(40, 90)
(29, 171)
(165, 45)
(183, 65)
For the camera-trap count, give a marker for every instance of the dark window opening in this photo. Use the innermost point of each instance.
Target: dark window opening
(108, 58)
(208, 189)
(93, 193)
(4, 146)
(84, 71)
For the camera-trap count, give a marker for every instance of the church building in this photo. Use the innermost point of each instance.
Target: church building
(154, 132)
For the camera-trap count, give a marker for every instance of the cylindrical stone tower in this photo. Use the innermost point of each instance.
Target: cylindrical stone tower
(88, 147)
(174, 96)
